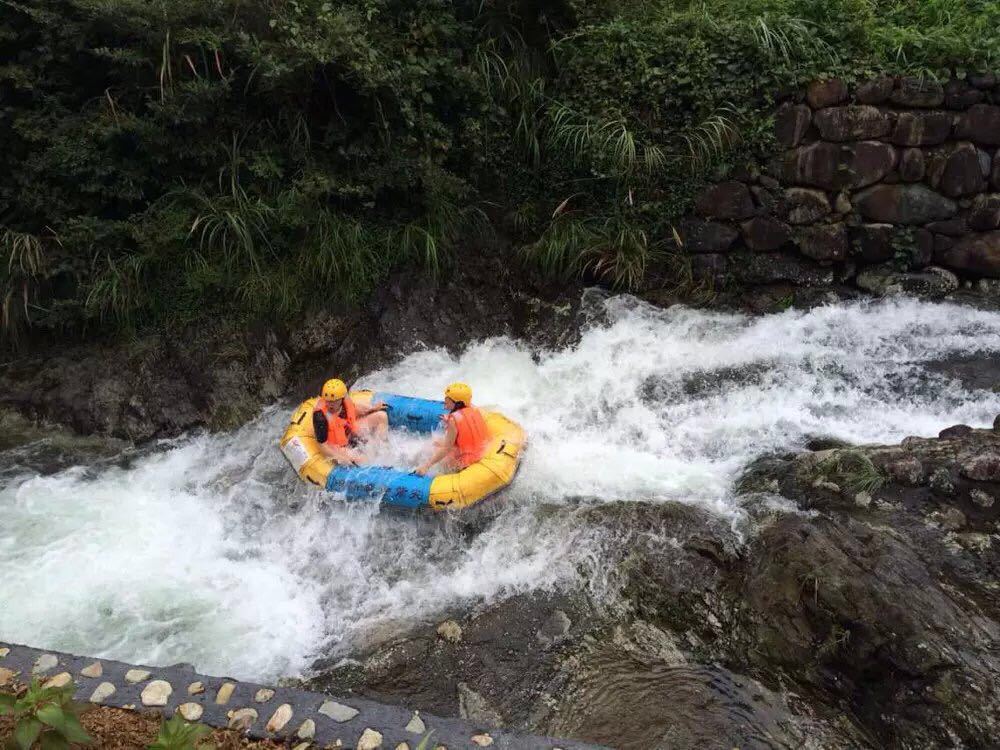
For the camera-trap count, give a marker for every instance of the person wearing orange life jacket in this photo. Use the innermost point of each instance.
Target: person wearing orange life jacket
(465, 434)
(339, 423)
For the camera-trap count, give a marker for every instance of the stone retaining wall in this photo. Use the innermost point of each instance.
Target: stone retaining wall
(890, 181)
(299, 717)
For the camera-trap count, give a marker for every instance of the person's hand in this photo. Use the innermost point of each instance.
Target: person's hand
(422, 470)
(380, 406)
(358, 458)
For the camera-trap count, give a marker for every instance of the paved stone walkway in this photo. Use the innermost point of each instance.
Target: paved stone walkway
(299, 717)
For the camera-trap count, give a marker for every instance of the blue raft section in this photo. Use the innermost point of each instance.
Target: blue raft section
(402, 489)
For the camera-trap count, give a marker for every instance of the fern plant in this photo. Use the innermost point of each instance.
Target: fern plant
(45, 717)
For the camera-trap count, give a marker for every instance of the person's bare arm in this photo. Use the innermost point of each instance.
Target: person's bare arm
(346, 456)
(364, 411)
(444, 447)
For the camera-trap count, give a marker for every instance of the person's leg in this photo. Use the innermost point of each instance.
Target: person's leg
(374, 425)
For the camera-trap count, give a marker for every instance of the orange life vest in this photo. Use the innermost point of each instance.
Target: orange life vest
(339, 426)
(471, 435)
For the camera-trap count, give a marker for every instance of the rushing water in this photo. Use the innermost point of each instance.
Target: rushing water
(207, 550)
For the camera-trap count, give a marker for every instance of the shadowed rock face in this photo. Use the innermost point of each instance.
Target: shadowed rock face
(871, 620)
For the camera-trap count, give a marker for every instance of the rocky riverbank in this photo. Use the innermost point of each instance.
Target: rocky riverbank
(855, 606)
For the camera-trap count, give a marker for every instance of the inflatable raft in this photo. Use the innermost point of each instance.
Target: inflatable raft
(396, 487)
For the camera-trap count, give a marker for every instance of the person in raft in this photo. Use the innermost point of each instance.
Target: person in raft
(339, 423)
(465, 434)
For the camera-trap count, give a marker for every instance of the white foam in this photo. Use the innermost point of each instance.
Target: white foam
(207, 550)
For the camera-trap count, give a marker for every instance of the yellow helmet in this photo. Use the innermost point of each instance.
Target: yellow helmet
(459, 392)
(334, 389)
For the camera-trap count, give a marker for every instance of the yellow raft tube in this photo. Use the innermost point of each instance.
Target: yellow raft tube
(455, 491)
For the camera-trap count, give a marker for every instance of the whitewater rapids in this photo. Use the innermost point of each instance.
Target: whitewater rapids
(206, 549)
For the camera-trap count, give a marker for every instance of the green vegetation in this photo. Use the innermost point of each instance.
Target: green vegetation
(45, 718)
(177, 734)
(169, 160)
(852, 470)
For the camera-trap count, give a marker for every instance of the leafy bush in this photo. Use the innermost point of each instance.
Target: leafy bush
(177, 734)
(45, 717)
(169, 160)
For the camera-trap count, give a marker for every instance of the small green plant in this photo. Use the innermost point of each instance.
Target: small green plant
(45, 717)
(177, 734)
(425, 742)
(854, 470)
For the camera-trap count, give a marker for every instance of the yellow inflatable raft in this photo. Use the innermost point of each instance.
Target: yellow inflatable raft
(458, 490)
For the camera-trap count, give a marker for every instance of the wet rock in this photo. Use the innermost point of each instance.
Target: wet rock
(156, 693)
(942, 482)
(982, 468)
(7, 676)
(823, 242)
(983, 81)
(102, 692)
(768, 268)
(826, 93)
(369, 740)
(263, 695)
(875, 91)
(225, 693)
(985, 213)
(873, 242)
(995, 172)
(804, 205)
(482, 740)
(555, 629)
(932, 282)
(912, 165)
(903, 204)
(982, 499)
(952, 519)
(306, 730)
(958, 169)
(726, 200)
(918, 92)
(475, 708)
(60, 680)
(242, 719)
(416, 724)
(450, 631)
(791, 123)
(955, 431)
(956, 227)
(922, 128)
(135, 676)
(852, 122)
(44, 663)
(93, 671)
(907, 471)
(980, 123)
(701, 236)
(338, 711)
(842, 205)
(709, 267)
(764, 234)
(281, 716)
(191, 711)
(960, 94)
(977, 254)
(196, 688)
(836, 166)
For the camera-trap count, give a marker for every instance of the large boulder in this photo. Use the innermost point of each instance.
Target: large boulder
(826, 93)
(976, 254)
(903, 204)
(768, 268)
(912, 165)
(984, 215)
(980, 123)
(834, 166)
(791, 123)
(873, 242)
(700, 236)
(804, 205)
(764, 234)
(875, 91)
(726, 200)
(958, 169)
(852, 122)
(823, 242)
(921, 128)
(918, 92)
(931, 282)
(960, 94)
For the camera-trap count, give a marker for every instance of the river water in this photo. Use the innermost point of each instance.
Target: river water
(205, 549)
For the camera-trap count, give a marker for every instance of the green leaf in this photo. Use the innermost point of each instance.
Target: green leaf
(66, 724)
(27, 732)
(53, 741)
